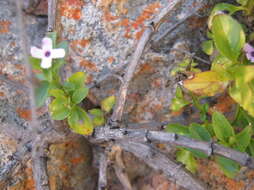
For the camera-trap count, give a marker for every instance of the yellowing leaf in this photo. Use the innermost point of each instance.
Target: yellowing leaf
(108, 103)
(206, 83)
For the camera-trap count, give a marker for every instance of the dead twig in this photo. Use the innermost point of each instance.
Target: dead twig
(106, 134)
(119, 168)
(51, 15)
(103, 164)
(154, 25)
(158, 161)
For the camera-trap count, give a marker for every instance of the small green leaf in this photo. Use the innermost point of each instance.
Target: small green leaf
(228, 35)
(178, 102)
(251, 147)
(187, 159)
(98, 121)
(78, 79)
(108, 103)
(59, 108)
(56, 93)
(222, 128)
(199, 132)
(41, 93)
(243, 139)
(207, 47)
(79, 95)
(36, 63)
(178, 129)
(80, 122)
(69, 87)
(96, 112)
(229, 167)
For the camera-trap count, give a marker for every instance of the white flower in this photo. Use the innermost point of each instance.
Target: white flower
(46, 54)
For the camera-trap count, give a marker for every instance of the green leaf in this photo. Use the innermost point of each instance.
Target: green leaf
(251, 147)
(178, 102)
(220, 7)
(41, 93)
(96, 112)
(59, 108)
(207, 47)
(79, 95)
(98, 121)
(108, 103)
(78, 79)
(80, 122)
(229, 167)
(199, 132)
(187, 159)
(243, 139)
(57, 93)
(228, 35)
(222, 128)
(178, 129)
(36, 63)
(69, 87)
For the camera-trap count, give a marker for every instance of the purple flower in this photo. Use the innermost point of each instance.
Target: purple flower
(47, 53)
(249, 50)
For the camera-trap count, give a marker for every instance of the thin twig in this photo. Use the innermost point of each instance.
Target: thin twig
(118, 110)
(191, 55)
(158, 161)
(103, 164)
(158, 38)
(51, 15)
(119, 168)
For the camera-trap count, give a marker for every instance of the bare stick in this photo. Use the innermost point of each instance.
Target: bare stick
(103, 164)
(209, 148)
(158, 161)
(40, 164)
(120, 169)
(51, 15)
(118, 110)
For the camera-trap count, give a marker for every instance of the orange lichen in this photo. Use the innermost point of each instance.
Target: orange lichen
(88, 65)
(145, 68)
(24, 113)
(2, 94)
(109, 17)
(146, 14)
(82, 43)
(4, 26)
(111, 60)
(71, 9)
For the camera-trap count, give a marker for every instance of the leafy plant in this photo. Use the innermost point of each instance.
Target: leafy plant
(230, 73)
(67, 95)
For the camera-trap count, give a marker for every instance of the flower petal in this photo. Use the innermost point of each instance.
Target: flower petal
(46, 63)
(248, 48)
(58, 53)
(36, 52)
(47, 43)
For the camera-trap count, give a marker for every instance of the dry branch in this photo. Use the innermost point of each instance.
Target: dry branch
(106, 134)
(118, 110)
(103, 164)
(158, 161)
